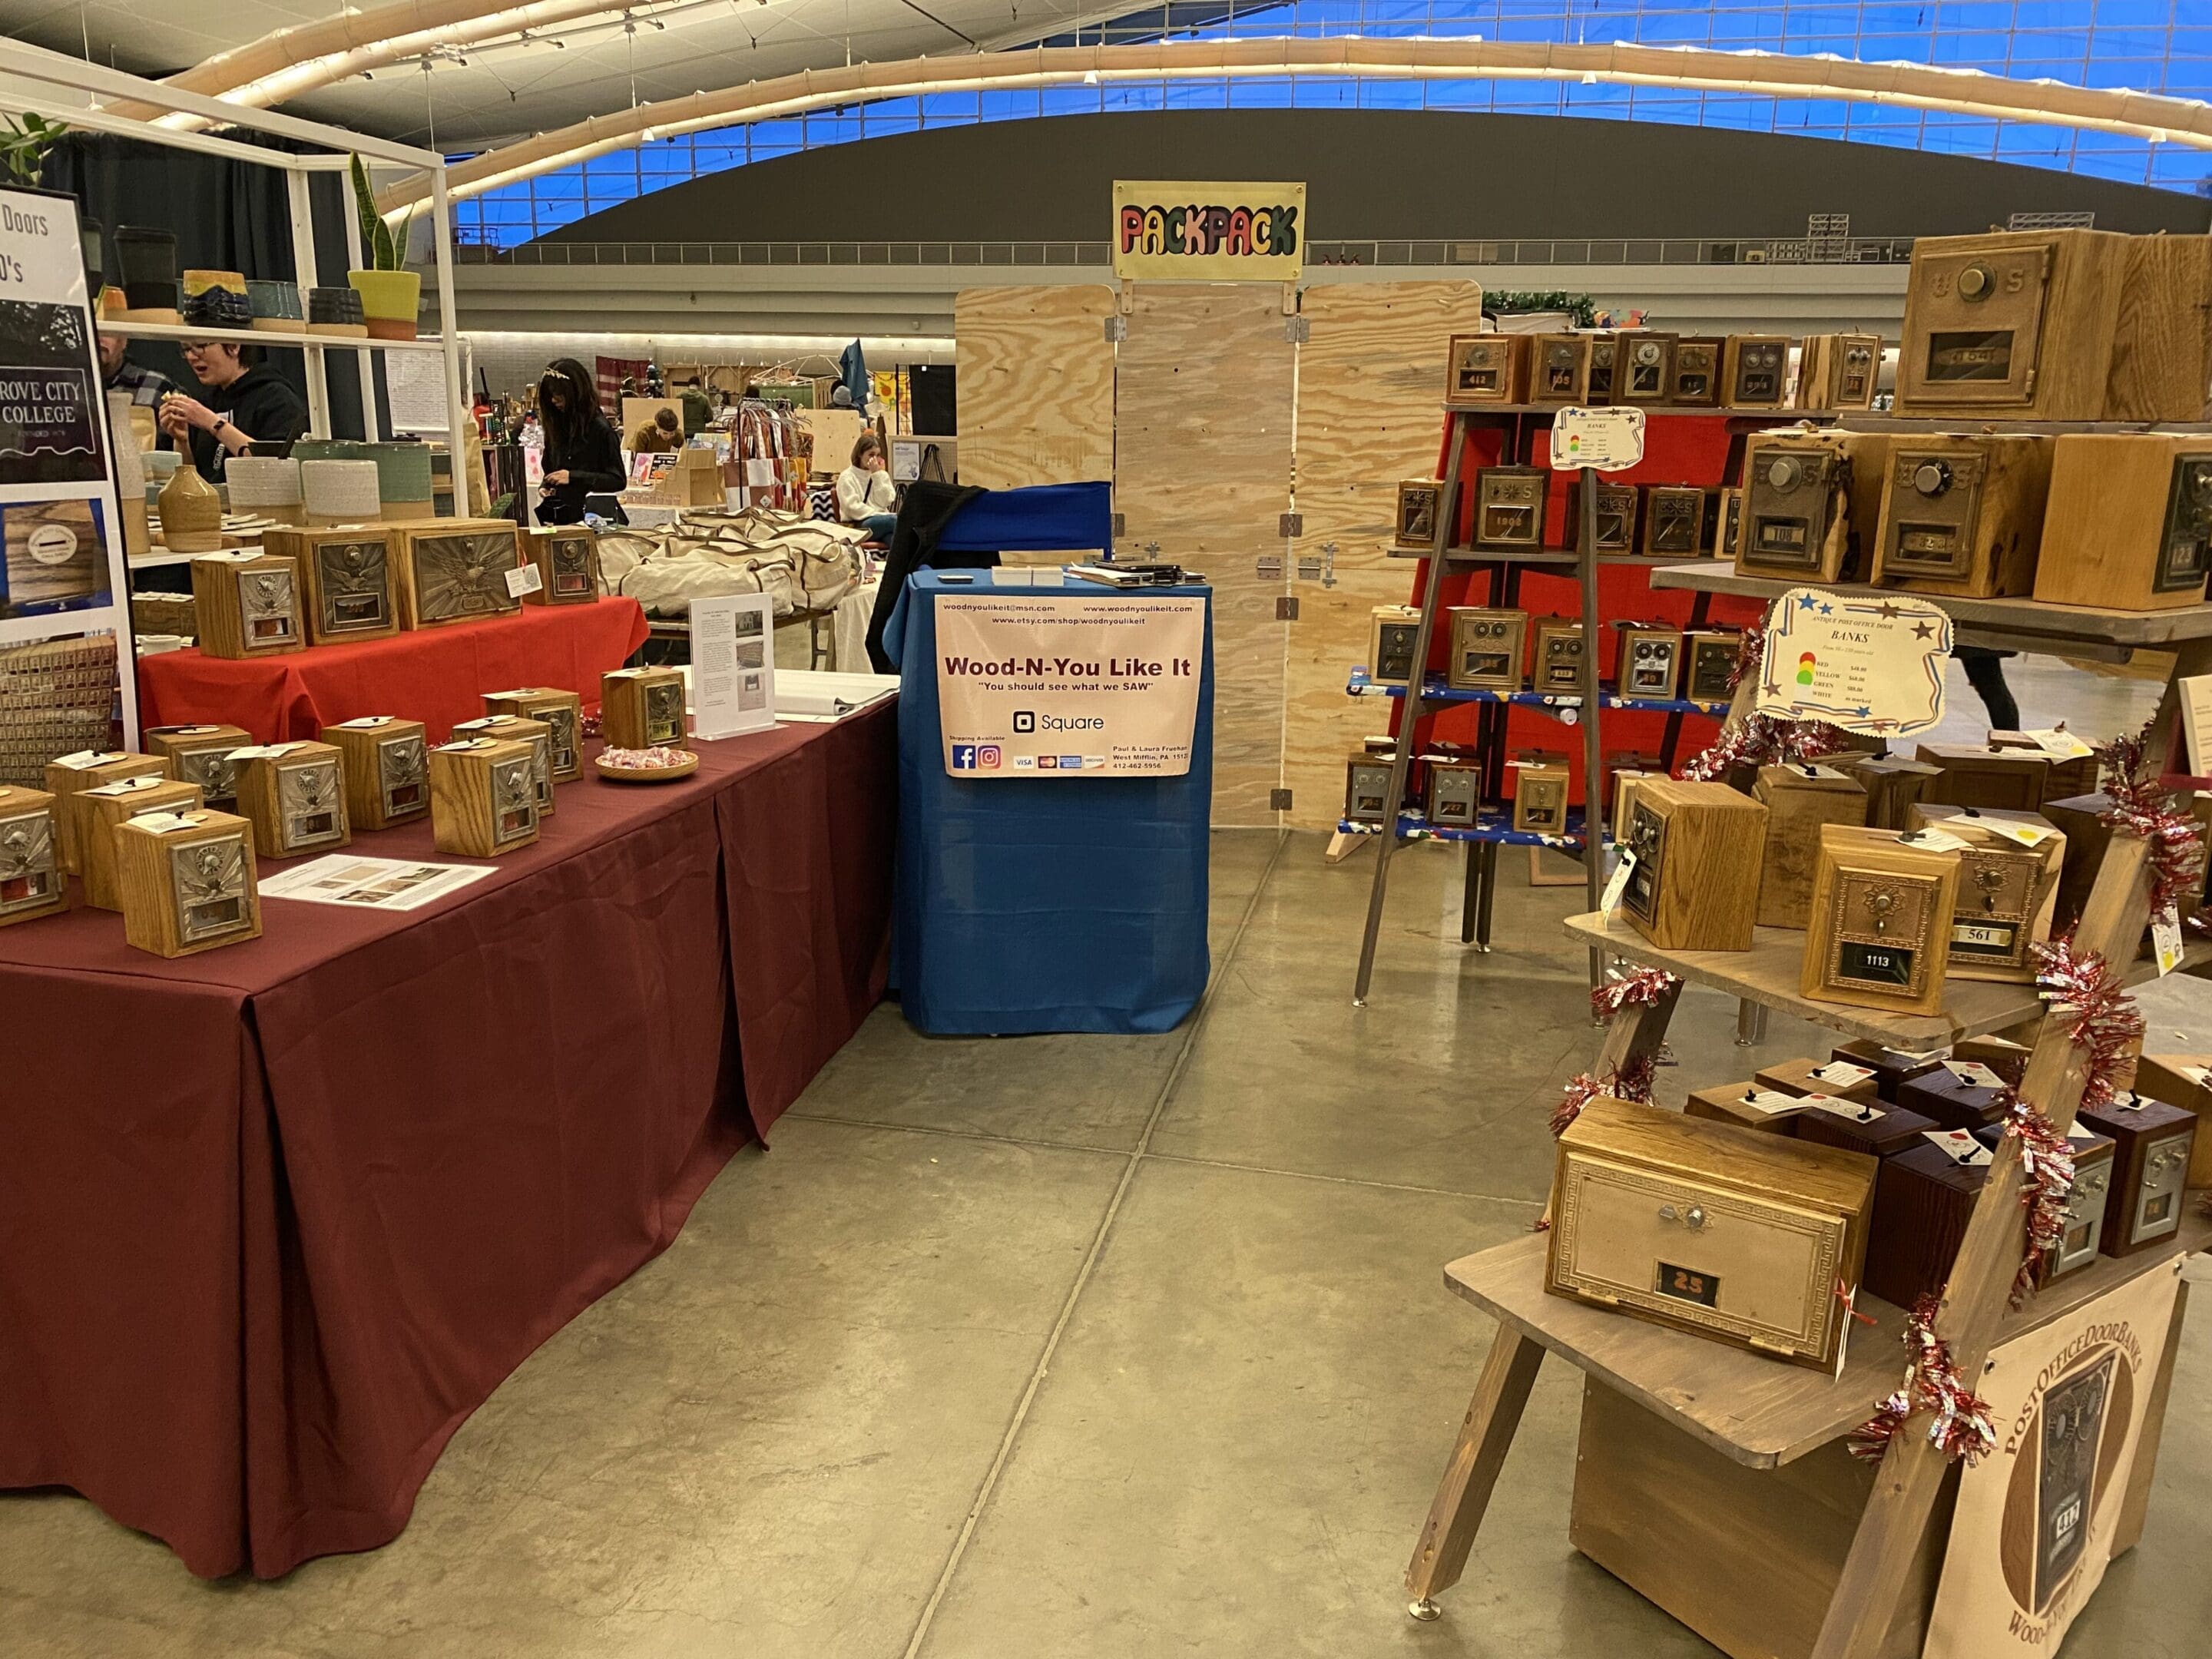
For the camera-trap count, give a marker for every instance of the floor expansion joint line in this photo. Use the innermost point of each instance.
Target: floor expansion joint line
(1348, 1180)
(1043, 1365)
(1028, 1142)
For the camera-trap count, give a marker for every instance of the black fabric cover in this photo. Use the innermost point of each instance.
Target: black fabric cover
(924, 512)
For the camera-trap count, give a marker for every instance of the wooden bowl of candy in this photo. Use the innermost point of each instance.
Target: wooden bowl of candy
(658, 764)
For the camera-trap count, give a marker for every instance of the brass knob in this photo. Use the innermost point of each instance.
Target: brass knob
(1976, 282)
(1931, 477)
(1783, 472)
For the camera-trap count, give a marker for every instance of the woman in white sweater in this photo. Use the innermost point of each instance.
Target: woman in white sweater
(866, 494)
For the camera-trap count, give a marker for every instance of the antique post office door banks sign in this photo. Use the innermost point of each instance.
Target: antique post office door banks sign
(1872, 664)
(1208, 232)
(1053, 685)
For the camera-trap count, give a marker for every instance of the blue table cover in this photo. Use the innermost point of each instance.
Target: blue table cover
(1031, 904)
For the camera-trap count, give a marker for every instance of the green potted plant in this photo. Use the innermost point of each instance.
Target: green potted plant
(24, 144)
(391, 297)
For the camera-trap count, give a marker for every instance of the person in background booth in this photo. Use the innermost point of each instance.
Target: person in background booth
(866, 494)
(240, 404)
(583, 455)
(147, 387)
(660, 435)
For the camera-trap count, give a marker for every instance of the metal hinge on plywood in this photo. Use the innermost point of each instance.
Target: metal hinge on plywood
(1297, 331)
(1288, 525)
(1286, 607)
(1117, 330)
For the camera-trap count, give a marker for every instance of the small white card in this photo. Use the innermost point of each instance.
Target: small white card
(2059, 743)
(1973, 1074)
(524, 579)
(263, 752)
(2027, 834)
(1958, 1146)
(367, 722)
(1773, 1102)
(2166, 940)
(1618, 885)
(85, 759)
(130, 785)
(1836, 1108)
(166, 823)
(1842, 1074)
(1932, 840)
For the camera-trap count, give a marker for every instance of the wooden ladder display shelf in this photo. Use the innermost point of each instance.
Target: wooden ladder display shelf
(1760, 1412)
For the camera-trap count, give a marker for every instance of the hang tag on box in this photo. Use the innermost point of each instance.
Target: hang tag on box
(1833, 1106)
(2059, 744)
(1613, 889)
(1841, 1074)
(85, 759)
(1774, 1102)
(1973, 1074)
(524, 579)
(1961, 1148)
(1932, 840)
(2166, 940)
(2027, 834)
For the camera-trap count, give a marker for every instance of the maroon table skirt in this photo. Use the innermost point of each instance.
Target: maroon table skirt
(276, 1218)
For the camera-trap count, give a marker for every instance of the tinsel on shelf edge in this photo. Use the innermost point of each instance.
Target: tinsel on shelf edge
(1632, 1082)
(1761, 740)
(2047, 1168)
(1749, 651)
(1640, 989)
(1959, 1425)
(2107, 1023)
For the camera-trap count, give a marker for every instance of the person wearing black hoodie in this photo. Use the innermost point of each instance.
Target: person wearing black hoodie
(583, 454)
(239, 404)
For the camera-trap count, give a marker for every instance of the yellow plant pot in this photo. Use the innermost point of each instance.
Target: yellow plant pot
(390, 302)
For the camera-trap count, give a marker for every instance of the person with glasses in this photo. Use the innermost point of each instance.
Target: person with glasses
(239, 405)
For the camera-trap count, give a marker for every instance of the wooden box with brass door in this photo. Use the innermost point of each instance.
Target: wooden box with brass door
(1558, 368)
(1556, 661)
(1923, 1198)
(294, 794)
(1643, 367)
(483, 797)
(1625, 784)
(1366, 788)
(1616, 515)
(2128, 524)
(567, 561)
(1541, 782)
(1674, 519)
(562, 711)
(1488, 646)
(2057, 326)
(201, 753)
(1801, 800)
(248, 605)
(1893, 784)
(1727, 522)
(1838, 371)
(1509, 508)
(1455, 794)
(97, 812)
(1709, 660)
(1747, 1105)
(89, 769)
(31, 883)
(1695, 884)
(2179, 1080)
(640, 708)
(456, 570)
(1837, 1080)
(1891, 1067)
(1755, 371)
(1697, 372)
(516, 728)
(1812, 503)
(1604, 362)
(187, 881)
(1393, 631)
(1709, 1227)
(2004, 780)
(350, 576)
(386, 763)
(1963, 516)
(2075, 774)
(1487, 368)
(1420, 501)
(1647, 662)
(1623, 766)
(2153, 1141)
(2008, 888)
(1879, 935)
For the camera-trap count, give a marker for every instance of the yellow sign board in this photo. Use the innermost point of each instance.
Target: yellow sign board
(1208, 232)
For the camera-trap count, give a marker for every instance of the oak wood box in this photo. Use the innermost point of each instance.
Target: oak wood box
(1999, 780)
(1560, 369)
(1697, 847)
(1488, 646)
(1963, 515)
(1838, 371)
(1487, 368)
(1393, 632)
(1556, 659)
(1893, 784)
(1420, 501)
(1832, 1077)
(640, 708)
(1708, 1228)
(386, 761)
(248, 605)
(2057, 326)
(567, 561)
(2184, 1080)
(1800, 800)
(516, 728)
(1541, 782)
(351, 580)
(95, 813)
(1747, 1105)
(201, 755)
(563, 711)
(2153, 1140)
(2076, 775)
(1648, 662)
(1645, 368)
(1879, 935)
(31, 883)
(483, 797)
(2008, 893)
(1509, 508)
(2128, 523)
(1812, 502)
(1755, 371)
(294, 794)
(188, 882)
(89, 769)
(455, 570)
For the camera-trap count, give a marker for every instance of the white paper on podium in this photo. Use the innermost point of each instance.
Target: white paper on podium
(733, 665)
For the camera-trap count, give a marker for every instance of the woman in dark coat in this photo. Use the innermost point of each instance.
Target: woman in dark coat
(583, 455)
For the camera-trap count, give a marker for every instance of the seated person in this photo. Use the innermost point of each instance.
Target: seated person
(240, 404)
(865, 493)
(663, 434)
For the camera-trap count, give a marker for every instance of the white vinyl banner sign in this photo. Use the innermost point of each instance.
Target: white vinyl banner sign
(2034, 1527)
(1058, 685)
(1870, 663)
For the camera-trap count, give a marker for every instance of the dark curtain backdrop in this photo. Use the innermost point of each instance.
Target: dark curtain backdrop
(228, 216)
(936, 404)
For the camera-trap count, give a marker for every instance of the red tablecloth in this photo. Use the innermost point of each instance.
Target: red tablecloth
(275, 1218)
(435, 675)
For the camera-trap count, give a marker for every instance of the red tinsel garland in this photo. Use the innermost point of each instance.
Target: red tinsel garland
(2106, 1022)
(2047, 1164)
(1748, 653)
(1761, 740)
(1632, 1082)
(2140, 805)
(1960, 1427)
(1641, 989)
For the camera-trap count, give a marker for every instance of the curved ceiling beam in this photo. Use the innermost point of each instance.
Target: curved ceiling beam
(1917, 86)
(289, 62)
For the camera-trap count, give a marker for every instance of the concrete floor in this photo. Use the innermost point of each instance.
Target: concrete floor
(1072, 1345)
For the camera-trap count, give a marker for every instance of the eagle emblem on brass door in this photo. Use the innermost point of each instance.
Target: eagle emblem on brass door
(458, 576)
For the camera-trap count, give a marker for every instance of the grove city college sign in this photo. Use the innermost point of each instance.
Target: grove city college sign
(1208, 232)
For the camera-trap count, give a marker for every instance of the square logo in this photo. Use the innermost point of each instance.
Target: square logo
(987, 756)
(1025, 719)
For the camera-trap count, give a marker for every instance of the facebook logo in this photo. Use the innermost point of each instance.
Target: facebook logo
(1025, 719)
(964, 757)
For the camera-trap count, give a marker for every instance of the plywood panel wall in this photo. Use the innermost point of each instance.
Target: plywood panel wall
(1036, 384)
(1370, 395)
(1203, 468)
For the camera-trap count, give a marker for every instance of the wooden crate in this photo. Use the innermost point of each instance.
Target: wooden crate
(2128, 524)
(1801, 800)
(351, 577)
(188, 882)
(248, 605)
(1963, 515)
(1879, 935)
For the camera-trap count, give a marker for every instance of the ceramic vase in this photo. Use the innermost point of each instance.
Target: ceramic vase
(191, 513)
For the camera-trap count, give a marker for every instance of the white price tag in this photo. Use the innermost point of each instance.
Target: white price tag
(1958, 1146)
(85, 759)
(1617, 886)
(1605, 438)
(1973, 1074)
(167, 823)
(2059, 743)
(1932, 840)
(1773, 1102)
(1834, 1107)
(367, 722)
(2166, 940)
(1842, 1074)
(524, 579)
(263, 752)
(2027, 834)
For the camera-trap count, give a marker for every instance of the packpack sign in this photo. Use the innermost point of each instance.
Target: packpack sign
(1054, 685)
(1208, 232)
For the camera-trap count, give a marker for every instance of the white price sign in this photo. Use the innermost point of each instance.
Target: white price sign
(1870, 663)
(1605, 439)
